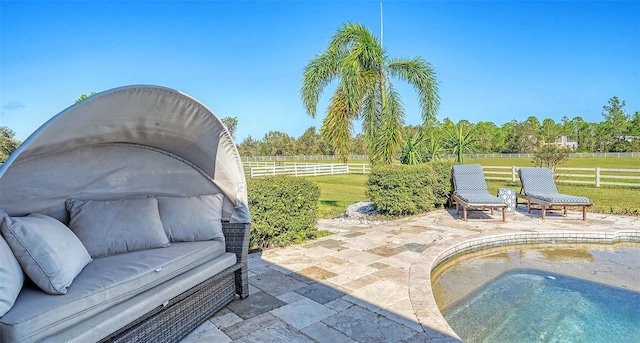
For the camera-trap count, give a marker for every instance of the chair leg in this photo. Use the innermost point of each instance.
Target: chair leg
(528, 206)
(503, 218)
(544, 210)
(464, 209)
(584, 212)
(457, 209)
(565, 210)
(491, 209)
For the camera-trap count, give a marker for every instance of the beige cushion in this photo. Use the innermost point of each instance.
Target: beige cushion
(118, 226)
(187, 219)
(49, 253)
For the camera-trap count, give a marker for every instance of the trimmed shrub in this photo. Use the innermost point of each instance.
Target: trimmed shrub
(399, 190)
(442, 184)
(283, 211)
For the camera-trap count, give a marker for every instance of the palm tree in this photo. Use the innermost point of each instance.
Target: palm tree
(410, 153)
(433, 149)
(460, 140)
(356, 57)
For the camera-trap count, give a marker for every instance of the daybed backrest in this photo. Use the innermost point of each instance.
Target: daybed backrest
(99, 172)
(468, 178)
(537, 181)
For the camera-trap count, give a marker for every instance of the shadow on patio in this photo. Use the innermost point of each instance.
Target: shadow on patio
(352, 286)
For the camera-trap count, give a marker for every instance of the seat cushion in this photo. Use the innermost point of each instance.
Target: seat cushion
(104, 283)
(49, 253)
(558, 198)
(117, 226)
(484, 199)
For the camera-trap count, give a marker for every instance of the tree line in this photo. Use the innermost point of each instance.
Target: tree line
(617, 132)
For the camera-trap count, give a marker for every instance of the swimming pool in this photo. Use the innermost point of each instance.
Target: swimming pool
(542, 293)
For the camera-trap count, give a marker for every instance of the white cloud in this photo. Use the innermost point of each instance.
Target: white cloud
(13, 105)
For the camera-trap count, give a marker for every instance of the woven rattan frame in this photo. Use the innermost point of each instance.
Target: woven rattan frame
(188, 310)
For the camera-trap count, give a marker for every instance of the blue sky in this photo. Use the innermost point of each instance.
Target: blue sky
(496, 61)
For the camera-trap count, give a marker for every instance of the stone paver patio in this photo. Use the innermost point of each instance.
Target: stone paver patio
(369, 282)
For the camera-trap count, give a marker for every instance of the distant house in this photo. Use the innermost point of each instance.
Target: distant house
(629, 139)
(564, 142)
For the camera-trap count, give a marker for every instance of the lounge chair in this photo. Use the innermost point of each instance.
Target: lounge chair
(471, 190)
(538, 187)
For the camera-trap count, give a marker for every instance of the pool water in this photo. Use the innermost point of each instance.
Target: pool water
(535, 306)
(558, 292)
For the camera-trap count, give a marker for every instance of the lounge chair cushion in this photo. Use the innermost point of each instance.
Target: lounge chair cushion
(538, 183)
(49, 253)
(11, 277)
(537, 180)
(477, 198)
(559, 198)
(468, 179)
(188, 219)
(103, 284)
(117, 226)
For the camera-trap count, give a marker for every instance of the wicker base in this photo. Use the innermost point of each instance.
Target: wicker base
(188, 310)
(183, 314)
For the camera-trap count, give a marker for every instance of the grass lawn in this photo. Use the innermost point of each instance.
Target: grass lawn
(573, 162)
(339, 191)
(606, 199)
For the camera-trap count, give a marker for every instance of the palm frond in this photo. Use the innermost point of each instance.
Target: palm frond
(422, 77)
(337, 125)
(318, 73)
(389, 139)
(370, 112)
(359, 41)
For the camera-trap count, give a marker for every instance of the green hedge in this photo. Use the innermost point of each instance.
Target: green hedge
(283, 211)
(398, 190)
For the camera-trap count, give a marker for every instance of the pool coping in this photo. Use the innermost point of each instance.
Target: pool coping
(420, 283)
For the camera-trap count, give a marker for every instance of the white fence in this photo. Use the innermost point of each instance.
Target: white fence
(255, 169)
(246, 159)
(593, 176)
(590, 176)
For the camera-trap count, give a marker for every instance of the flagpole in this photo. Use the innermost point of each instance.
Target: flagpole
(381, 26)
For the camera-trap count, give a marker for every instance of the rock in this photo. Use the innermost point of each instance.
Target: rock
(361, 212)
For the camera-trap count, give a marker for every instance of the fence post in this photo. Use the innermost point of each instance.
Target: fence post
(513, 173)
(331, 168)
(295, 169)
(597, 176)
(251, 172)
(347, 165)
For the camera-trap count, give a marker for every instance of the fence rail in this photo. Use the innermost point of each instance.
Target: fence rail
(589, 176)
(246, 159)
(307, 169)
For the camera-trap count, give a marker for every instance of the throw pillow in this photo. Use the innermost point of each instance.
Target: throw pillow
(49, 253)
(118, 226)
(11, 277)
(197, 218)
